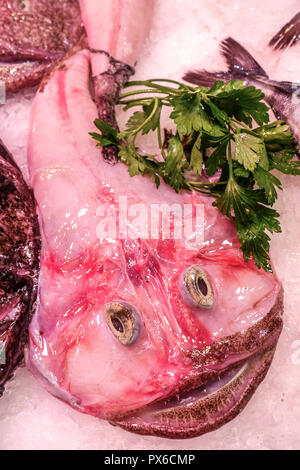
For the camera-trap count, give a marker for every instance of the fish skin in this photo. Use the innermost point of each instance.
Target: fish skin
(115, 51)
(288, 35)
(72, 351)
(19, 263)
(33, 35)
(124, 28)
(107, 90)
(282, 97)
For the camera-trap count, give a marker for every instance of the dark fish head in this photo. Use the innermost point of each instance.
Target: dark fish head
(33, 34)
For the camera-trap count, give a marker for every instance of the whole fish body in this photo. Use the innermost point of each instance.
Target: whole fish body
(118, 333)
(19, 264)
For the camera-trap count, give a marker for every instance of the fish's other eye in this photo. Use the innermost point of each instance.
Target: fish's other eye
(198, 287)
(24, 5)
(123, 321)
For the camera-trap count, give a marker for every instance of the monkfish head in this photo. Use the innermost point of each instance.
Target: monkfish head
(154, 334)
(186, 348)
(163, 339)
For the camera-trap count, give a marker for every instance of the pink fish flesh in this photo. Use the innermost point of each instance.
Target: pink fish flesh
(189, 369)
(124, 27)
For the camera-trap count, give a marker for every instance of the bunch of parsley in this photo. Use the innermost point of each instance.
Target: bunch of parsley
(223, 129)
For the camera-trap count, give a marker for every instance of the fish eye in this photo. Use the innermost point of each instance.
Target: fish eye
(123, 321)
(25, 5)
(198, 287)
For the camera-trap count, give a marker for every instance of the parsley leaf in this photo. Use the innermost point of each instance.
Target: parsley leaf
(189, 114)
(175, 163)
(139, 164)
(250, 150)
(147, 120)
(243, 103)
(109, 135)
(196, 162)
(266, 181)
(252, 218)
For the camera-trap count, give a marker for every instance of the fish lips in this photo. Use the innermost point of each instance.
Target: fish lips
(224, 377)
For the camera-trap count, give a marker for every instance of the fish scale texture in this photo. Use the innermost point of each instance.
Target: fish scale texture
(29, 417)
(33, 34)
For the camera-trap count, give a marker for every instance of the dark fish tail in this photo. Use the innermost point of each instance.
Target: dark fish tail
(282, 97)
(239, 60)
(288, 35)
(240, 63)
(207, 79)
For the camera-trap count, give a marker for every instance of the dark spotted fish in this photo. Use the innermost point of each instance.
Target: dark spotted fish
(288, 35)
(33, 34)
(282, 97)
(19, 264)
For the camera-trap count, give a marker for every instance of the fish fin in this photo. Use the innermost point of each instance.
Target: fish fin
(288, 35)
(206, 79)
(241, 64)
(285, 87)
(238, 59)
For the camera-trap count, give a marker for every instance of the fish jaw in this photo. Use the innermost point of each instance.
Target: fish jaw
(34, 34)
(210, 399)
(72, 350)
(204, 409)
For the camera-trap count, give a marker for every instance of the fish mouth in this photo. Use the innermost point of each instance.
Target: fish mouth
(205, 408)
(214, 397)
(18, 74)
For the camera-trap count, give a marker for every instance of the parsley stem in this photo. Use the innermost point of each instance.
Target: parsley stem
(202, 191)
(138, 102)
(207, 183)
(149, 83)
(181, 85)
(141, 102)
(239, 124)
(140, 92)
(230, 161)
(139, 128)
(160, 143)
